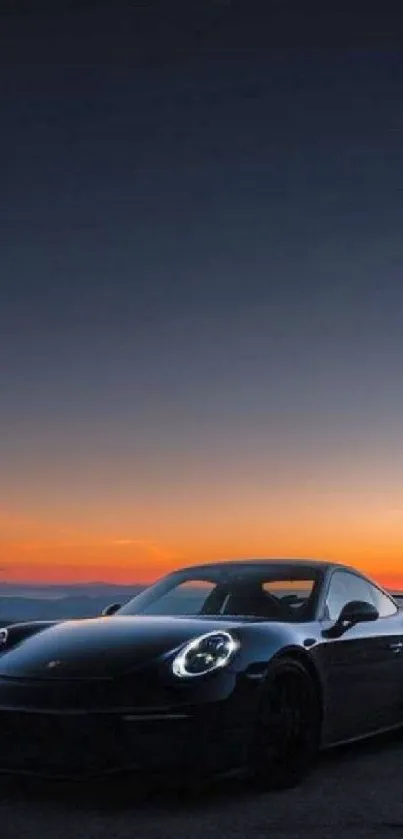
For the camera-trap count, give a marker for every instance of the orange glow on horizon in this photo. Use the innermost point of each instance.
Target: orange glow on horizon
(127, 562)
(44, 550)
(68, 574)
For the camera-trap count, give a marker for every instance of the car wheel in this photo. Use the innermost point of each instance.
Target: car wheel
(287, 732)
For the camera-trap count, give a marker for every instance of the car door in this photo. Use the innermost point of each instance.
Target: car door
(360, 667)
(390, 633)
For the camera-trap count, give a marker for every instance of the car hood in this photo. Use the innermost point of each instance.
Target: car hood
(99, 647)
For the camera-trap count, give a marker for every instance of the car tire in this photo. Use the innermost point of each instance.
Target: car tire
(287, 731)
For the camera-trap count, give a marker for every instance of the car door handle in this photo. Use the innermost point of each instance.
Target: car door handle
(396, 646)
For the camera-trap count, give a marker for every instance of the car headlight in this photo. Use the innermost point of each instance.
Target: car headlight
(3, 637)
(205, 654)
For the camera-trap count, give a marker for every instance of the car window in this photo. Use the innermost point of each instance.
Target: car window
(292, 594)
(343, 588)
(386, 607)
(255, 592)
(188, 598)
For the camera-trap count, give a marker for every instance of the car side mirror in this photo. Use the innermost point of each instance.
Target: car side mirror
(356, 611)
(110, 610)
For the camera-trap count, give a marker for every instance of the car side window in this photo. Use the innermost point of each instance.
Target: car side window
(343, 588)
(385, 605)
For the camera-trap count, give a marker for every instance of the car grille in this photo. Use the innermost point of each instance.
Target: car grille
(57, 743)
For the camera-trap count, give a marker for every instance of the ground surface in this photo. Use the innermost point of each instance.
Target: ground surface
(354, 793)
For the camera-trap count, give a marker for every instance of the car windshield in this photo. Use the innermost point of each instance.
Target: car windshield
(250, 592)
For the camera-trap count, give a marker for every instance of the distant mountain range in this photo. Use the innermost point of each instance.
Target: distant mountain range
(26, 602)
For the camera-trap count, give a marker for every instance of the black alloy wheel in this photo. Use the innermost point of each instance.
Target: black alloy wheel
(287, 734)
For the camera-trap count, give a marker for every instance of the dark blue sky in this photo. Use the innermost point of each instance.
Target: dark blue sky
(201, 249)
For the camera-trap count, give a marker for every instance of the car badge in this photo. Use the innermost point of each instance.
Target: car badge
(51, 664)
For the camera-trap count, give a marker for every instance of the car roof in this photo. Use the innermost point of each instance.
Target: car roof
(301, 565)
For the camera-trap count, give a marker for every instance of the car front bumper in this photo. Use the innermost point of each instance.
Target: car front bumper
(88, 745)
(62, 741)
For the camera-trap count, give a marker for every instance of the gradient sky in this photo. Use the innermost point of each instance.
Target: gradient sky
(201, 290)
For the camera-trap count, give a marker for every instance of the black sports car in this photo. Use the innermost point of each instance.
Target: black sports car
(218, 667)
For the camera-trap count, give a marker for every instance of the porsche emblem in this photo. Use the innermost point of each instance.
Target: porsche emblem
(51, 664)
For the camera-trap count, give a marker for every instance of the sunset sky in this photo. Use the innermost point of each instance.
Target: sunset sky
(201, 293)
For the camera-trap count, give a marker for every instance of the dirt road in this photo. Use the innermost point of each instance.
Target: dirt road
(354, 793)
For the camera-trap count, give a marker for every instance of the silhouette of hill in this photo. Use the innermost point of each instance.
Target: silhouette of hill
(25, 602)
